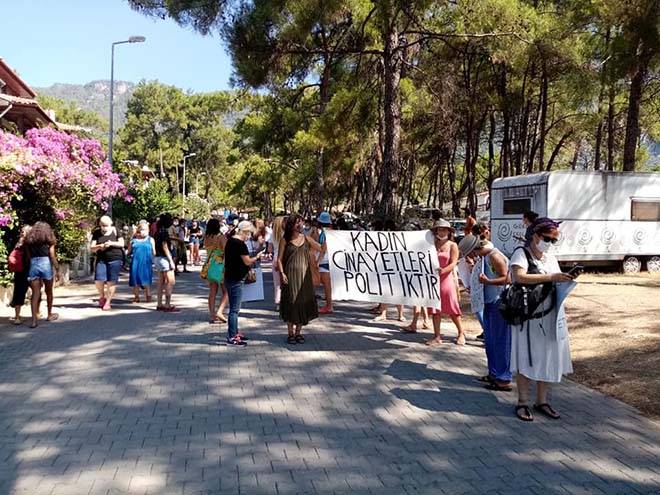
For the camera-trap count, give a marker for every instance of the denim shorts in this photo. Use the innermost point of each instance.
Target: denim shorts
(162, 264)
(108, 271)
(40, 268)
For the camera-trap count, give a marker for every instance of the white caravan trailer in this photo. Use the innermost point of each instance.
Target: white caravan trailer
(607, 216)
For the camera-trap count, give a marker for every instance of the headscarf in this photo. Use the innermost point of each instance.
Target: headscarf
(539, 226)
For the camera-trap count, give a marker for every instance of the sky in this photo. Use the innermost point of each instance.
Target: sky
(68, 41)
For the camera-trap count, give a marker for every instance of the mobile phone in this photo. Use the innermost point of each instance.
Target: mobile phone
(576, 270)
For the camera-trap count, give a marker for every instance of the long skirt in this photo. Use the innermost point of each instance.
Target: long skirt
(497, 339)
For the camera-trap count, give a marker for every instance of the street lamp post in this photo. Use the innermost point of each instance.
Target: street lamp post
(132, 39)
(184, 179)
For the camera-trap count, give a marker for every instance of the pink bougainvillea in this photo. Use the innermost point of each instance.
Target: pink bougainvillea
(67, 167)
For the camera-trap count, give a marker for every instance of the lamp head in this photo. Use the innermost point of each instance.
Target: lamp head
(136, 39)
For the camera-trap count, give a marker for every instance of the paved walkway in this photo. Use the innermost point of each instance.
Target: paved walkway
(136, 401)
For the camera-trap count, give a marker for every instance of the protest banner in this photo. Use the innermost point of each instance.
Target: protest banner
(386, 267)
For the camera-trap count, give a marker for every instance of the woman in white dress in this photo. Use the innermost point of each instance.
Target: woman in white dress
(539, 347)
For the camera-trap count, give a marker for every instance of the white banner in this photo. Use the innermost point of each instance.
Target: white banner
(387, 267)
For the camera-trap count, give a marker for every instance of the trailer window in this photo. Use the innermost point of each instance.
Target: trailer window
(516, 206)
(645, 210)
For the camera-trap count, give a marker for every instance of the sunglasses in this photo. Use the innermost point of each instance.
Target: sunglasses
(551, 240)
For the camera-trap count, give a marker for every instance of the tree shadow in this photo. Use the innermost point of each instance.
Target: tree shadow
(142, 402)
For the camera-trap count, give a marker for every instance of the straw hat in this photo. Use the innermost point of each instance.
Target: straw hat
(442, 224)
(468, 244)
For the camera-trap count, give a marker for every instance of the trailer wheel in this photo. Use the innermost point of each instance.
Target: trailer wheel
(632, 264)
(653, 264)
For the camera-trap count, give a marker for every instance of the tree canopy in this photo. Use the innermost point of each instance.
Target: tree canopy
(374, 105)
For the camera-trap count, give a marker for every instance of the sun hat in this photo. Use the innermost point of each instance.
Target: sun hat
(468, 244)
(324, 218)
(442, 224)
(245, 225)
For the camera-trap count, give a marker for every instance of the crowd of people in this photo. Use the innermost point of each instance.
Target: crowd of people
(535, 351)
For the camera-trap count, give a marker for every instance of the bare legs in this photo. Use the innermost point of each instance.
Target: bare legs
(542, 388)
(382, 309)
(100, 288)
(327, 289)
(36, 300)
(164, 288)
(417, 310)
(223, 304)
(437, 338)
(213, 292)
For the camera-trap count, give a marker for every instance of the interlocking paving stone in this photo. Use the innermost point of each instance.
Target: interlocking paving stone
(135, 401)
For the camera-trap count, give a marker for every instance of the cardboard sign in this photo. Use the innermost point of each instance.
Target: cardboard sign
(387, 267)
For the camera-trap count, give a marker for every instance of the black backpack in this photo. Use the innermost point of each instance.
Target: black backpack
(519, 302)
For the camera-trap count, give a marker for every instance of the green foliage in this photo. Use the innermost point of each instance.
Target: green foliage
(149, 201)
(69, 112)
(6, 277)
(196, 207)
(476, 89)
(71, 236)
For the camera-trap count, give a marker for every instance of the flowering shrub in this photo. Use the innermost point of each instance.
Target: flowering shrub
(54, 176)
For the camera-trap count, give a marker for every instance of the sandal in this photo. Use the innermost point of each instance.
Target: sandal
(300, 339)
(527, 416)
(221, 317)
(52, 317)
(433, 342)
(499, 386)
(408, 329)
(486, 379)
(547, 410)
(291, 339)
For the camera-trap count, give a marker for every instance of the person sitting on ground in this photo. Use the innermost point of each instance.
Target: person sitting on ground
(40, 246)
(141, 250)
(109, 249)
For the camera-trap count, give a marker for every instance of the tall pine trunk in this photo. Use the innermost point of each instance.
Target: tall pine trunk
(387, 200)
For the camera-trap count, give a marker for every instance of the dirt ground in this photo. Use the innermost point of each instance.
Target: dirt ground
(614, 323)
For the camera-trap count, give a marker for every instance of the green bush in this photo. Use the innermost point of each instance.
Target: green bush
(6, 277)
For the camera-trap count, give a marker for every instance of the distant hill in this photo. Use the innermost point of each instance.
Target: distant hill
(94, 96)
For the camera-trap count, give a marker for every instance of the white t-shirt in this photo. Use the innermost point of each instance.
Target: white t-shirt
(547, 264)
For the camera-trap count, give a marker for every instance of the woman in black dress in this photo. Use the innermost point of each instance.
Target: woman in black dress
(21, 284)
(298, 303)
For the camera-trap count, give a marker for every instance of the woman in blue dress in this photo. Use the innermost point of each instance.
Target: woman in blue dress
(142, 249)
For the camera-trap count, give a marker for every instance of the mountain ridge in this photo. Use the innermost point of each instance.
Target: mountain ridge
(94, 96)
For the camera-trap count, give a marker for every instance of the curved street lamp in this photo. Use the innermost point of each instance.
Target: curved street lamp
(131, 39)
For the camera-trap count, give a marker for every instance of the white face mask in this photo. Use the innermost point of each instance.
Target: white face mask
(443, 238)
(543, 246)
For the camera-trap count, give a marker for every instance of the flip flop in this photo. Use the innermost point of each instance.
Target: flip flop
(53, 317)
(527, 415)
(547, 410)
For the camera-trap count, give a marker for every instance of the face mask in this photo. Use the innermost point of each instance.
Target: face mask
(442, 238)
(543, 246)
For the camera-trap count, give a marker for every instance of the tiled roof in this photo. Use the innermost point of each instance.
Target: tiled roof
(17, 100)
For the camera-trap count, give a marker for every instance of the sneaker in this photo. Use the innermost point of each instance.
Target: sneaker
(236, 341)
(242, 336)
